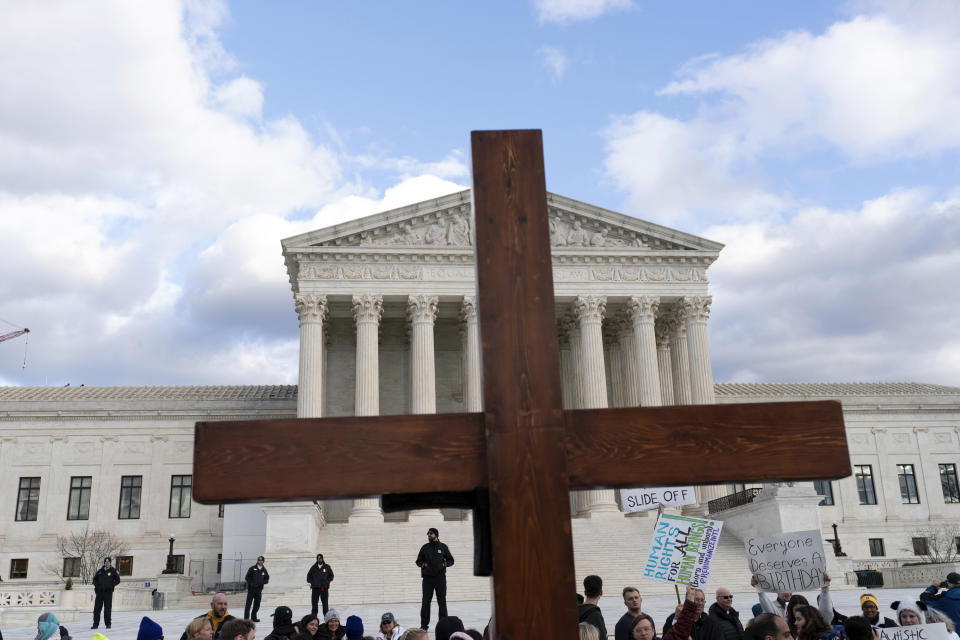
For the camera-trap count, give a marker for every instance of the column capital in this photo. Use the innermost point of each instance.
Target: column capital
(643, 308)
(590, 308)
(422, 309)
(468, 310)
(311, 307)
(696, 308)
(367, 308)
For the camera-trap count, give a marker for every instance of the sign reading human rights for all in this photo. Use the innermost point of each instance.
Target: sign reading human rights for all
(645, 499)
(681, 549)
(787, 561)
(936, 631)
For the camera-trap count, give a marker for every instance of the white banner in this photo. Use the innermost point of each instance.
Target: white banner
(936, 631)
(634, 500)
(681, 549)
(787, 561)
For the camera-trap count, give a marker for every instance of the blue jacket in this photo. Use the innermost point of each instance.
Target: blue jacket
(948, 602)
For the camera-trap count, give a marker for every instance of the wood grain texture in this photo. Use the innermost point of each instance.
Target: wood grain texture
(529, 503)
(307, 459)
(706, 444)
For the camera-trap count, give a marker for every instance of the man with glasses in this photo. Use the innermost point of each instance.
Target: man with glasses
(726, 618)
(704, 628)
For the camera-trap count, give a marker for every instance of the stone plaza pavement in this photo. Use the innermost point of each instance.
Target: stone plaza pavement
(474, 614)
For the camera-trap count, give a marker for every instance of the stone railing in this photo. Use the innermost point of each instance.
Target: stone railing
(29, 596)
(52, 594)
(918, 575)
(733, 500)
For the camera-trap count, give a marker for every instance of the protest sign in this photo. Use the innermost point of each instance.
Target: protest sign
(787, 561)
(681, 549)
(936, 631)
(645, 499)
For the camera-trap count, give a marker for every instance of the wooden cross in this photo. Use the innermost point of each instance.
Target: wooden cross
(524, 447)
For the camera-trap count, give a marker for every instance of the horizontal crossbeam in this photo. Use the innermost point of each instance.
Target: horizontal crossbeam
(335, 457)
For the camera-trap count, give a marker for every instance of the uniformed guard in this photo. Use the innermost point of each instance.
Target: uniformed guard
(257, 576)
(320, 576)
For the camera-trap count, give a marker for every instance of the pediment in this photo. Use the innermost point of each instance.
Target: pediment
(445, 223)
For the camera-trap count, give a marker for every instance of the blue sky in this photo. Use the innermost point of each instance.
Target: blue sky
(152, 156)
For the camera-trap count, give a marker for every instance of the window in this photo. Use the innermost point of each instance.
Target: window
(737, 488)
(920, 547)
(180, 492)
(18, 568)
(79, 506)
(824, 488)
(130, 497)
(908, 484)
(864, 475)
(28, 500)
(220, 511)
(948, 482)
(876, 547)
(71, 567)
(125, 565)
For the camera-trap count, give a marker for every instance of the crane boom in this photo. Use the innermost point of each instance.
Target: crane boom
(13, 334)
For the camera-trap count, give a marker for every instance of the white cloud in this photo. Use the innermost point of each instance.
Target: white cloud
(241, 96)
(572, 10)
(554, 60)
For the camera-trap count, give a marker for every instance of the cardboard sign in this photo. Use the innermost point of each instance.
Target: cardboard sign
(681, 549)
(787, 561)
(645, 499)
(936, 631)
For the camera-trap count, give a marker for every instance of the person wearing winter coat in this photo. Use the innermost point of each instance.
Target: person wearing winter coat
(433, 560)
(283, 627)
(331, 629)
(725, 617)
(149, 630)
(104, 582)
(47, 625)
(948, 601)
(389, 629)
(256, 578)
(320, 576)
(644, 629)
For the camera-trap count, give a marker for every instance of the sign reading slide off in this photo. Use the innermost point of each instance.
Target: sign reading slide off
(681, 549)
(645, 499)
(936, 631)
(787, 561)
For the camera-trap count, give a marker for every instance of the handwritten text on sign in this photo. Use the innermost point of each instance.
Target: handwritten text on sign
(645, 499)
(937, 631)
(681, 549)
(787, 561)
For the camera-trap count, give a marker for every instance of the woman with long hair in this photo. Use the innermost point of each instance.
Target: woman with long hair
(811, 624)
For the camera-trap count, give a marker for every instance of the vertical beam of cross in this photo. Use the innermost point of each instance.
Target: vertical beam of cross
(533, 571)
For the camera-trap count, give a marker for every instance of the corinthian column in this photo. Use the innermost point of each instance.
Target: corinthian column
(631, 376)
(589, 310)
(422, 314)
(566, 362)
(312, 311)
(472, 375)
(662, 330)
(679, 357)
(367, 310)
(611, 343)
(696, 309)
(643, 312)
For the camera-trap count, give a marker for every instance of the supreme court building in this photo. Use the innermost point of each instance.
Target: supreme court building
(388, 325)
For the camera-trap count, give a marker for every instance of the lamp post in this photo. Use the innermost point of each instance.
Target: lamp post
(837, 549)
(171, 563)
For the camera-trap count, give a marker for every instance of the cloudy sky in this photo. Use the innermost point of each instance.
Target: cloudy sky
(152, 155)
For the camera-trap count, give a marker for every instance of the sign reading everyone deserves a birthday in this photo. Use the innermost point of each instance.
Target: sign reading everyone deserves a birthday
(681, 549)
(787, 561)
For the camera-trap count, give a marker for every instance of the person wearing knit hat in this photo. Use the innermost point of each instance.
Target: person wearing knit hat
(331, 629)
(354, 628)
(446, 626)
(47, 625)
(433, 560)
(909, 612)
(149, 630)
(947, 602)
(871, 611)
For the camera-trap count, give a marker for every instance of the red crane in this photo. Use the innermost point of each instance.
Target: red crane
(13, 334)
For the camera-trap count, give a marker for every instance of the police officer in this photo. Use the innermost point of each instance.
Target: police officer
(320, 576)
(104, 582)
(257, 576)
(433, 560)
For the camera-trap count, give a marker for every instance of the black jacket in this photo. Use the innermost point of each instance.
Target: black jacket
(323, 633)
(106, 580)
(703, 629)
(590, 613)
(728, 622)
(257, 576)
(320, 577)
(283, 632)
(433, 559)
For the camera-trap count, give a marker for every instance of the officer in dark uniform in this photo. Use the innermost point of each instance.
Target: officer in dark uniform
(320, 576)
(433, 560)
(257, 576)
(104, 582)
